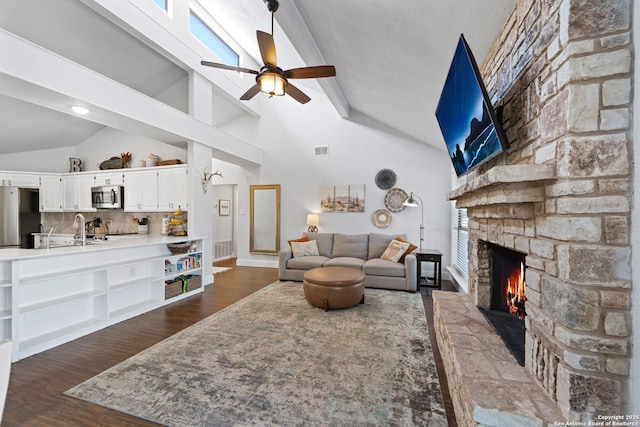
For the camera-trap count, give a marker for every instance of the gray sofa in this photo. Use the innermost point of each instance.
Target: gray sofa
(361, 251)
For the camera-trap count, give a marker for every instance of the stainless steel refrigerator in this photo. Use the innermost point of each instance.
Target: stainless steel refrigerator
(19, 216)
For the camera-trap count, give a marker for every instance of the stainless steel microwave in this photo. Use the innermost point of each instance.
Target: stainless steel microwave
(107, 197)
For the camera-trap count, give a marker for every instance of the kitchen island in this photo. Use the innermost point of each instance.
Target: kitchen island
(52, 296)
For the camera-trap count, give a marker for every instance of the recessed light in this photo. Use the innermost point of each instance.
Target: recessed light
(80, 110)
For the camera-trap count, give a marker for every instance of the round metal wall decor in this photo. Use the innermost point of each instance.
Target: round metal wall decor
(385, 179)
(394, 198)
(382, 218)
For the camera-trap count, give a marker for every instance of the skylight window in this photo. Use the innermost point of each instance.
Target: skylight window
(162, 4)
(211, 40)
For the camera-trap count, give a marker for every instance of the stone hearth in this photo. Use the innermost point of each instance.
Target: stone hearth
(487, 385)
(561, 195)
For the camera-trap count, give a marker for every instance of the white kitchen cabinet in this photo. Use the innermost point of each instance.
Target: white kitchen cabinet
(108, 178)
(3, 179)
(22, 180)
(141, 191)
(50, 193)
(76, 193)
(173, 189)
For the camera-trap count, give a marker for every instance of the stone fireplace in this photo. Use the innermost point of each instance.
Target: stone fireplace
(561, 196)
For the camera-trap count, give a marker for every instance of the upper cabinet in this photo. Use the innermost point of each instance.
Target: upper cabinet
(141, 190)
(154, 189)
(173, 189)
(20, 179)
(109, 178)
(50, 193)
(76, 192)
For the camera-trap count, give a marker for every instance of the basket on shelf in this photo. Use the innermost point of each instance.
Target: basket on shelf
(182, 284)
(179, 248)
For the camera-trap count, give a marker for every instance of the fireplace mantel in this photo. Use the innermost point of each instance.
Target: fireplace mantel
(504, 185)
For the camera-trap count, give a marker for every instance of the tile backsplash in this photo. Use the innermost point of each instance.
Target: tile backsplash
(121, 222)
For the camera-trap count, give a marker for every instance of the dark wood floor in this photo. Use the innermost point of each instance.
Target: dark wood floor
(35, 389)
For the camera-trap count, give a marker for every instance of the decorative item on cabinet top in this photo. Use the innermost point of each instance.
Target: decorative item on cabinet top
(112, 163)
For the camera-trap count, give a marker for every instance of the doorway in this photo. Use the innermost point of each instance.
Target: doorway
(224, 223)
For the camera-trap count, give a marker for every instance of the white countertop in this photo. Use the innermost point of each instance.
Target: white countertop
(113, 242)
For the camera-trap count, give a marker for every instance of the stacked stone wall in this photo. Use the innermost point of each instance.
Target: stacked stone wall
(562, 71)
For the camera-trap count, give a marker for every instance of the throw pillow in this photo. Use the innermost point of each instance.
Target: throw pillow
(395, 250)
(411, 248)
(301, 239)
(308, 248)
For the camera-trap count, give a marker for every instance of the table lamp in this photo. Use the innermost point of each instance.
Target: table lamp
(313, 221)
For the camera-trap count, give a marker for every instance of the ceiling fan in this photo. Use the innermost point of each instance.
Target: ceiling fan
(272, 79)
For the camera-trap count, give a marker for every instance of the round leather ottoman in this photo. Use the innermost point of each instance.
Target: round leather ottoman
(334, 287)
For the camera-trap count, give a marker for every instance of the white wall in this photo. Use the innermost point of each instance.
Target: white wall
(55, 160)
(111, 142)
(288, 132)
(100, 146)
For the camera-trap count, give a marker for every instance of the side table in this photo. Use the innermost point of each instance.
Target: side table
(434, 256)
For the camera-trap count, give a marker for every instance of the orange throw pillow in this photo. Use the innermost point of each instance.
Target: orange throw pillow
(410, 249)
(302, 239)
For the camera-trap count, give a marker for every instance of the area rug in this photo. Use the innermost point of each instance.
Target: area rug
(217, 270)
(272, 359)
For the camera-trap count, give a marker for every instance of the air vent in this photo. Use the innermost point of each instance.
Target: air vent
(321, 150)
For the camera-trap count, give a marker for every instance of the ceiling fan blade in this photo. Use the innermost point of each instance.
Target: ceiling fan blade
(296, 93)
(311, 72)
(267, 48)
(253, 91)
(228, 67)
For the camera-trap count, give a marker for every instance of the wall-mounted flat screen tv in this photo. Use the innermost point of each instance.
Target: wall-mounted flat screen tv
(467, 120)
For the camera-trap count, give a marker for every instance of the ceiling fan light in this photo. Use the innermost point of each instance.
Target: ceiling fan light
(272, 84)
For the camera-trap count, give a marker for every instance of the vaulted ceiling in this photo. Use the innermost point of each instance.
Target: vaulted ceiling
(391, 57)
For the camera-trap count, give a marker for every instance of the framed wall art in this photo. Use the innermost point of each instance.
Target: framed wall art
(343, 198)
(224, 207)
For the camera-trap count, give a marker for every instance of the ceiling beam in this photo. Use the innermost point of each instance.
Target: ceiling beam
(291, 22)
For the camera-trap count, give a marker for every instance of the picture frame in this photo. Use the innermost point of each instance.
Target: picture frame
(342, 198)
(224, 207)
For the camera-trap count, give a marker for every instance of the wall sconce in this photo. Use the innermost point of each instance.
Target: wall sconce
(313, 221)
(411, 202)
(206, 177)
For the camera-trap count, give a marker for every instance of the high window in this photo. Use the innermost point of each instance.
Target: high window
(162, 4)
(211, 40)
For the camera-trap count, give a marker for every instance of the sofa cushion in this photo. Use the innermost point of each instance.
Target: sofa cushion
(382, 267)
(344, 261)
(378, 243)
(410, 249)
(300, 249)
(301, 239)
(350, 245)
(324, 240)
(306, 262)
(395, 250)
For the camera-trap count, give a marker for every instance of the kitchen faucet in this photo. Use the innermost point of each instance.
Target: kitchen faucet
(80, 225)
(49, 238)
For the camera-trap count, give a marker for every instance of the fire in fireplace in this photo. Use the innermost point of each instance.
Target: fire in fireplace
(508, 298)
(508, 284)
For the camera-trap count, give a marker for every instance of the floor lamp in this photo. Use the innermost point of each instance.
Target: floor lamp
(411, 201)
